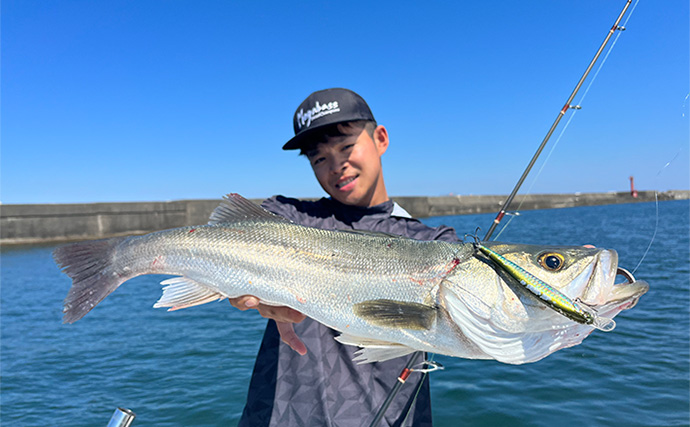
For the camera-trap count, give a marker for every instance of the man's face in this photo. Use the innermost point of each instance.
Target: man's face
(349, 167)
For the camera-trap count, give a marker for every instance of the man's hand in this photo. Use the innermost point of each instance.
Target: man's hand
(284, 317)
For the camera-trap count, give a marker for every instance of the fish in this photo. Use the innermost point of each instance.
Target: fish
(386, 294)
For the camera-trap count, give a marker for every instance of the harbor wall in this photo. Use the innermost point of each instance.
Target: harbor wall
(54, 223)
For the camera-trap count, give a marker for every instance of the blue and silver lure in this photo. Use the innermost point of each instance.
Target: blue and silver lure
(551, 296)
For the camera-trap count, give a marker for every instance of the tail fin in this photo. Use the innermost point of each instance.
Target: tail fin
(89, 266)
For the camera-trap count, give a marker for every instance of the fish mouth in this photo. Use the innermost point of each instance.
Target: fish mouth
(626, 294)
(598, 285)
(619, 295)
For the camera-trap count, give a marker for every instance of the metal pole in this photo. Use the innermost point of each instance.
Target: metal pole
(510, 198)
(122, 417)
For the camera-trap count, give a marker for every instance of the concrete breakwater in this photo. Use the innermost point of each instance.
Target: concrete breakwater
(52, 223)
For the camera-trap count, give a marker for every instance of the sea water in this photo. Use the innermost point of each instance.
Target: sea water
(192, 367)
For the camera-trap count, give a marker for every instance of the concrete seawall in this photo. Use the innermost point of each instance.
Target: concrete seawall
(52, 223)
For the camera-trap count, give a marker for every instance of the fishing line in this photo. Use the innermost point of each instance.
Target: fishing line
(656, 200)
(576, 107)
(656, 227)
(656, 193)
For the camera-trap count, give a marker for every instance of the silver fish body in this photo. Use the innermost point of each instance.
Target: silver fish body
(386, 294)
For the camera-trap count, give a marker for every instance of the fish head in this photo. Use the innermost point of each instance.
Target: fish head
(587, 275)
(512, 324)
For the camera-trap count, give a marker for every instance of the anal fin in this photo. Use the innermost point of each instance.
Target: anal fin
(182, 292)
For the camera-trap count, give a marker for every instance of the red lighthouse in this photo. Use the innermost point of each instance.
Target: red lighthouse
(633, 192)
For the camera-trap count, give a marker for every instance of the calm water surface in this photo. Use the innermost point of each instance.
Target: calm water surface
(192, 367)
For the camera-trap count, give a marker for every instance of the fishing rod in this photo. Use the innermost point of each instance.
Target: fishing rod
(501, 213)
(565, 108)
(399, 383)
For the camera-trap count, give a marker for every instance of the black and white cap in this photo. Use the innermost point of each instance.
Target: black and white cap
(326, 107)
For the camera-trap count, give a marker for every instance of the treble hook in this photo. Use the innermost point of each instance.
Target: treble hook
(474, 236)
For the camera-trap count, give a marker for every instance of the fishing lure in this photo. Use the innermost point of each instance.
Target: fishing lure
(553, 298)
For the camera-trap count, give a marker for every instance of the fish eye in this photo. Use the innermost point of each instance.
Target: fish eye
(551, 261)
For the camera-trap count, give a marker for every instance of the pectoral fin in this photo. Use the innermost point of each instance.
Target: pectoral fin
(396, 314)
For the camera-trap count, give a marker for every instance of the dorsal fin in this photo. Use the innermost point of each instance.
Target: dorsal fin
(234, 207)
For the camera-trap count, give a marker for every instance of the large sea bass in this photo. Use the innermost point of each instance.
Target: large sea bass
(386, 294)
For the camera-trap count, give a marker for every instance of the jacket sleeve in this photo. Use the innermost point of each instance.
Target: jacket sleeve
(447, 234)
(285, 207)
(415, 229)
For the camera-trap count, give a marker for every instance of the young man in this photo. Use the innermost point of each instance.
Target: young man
(309, 379)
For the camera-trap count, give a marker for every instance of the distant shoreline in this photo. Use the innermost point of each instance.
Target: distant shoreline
(23, 224)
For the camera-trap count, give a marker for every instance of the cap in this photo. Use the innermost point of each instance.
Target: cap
(326, 107)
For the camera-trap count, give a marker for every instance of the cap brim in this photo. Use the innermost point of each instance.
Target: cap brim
(302, 138)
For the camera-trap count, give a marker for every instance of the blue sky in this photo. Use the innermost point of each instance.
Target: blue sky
(168, 100)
